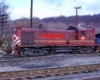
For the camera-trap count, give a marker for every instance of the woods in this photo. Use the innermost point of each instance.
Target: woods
(60, 22)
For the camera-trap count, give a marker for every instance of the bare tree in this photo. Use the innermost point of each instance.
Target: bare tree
(3, 7)
(36, 22)
(56, 26)
(23, 22)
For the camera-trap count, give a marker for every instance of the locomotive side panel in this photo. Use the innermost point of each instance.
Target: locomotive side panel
(27, 38)
(91, 37)
(53, 38)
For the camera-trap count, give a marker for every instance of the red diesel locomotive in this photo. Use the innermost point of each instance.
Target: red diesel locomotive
(34, 42)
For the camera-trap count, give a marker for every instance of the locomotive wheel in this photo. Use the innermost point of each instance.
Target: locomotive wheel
(78, 51)
(45, 52)
(16, 55)
(91, 51)
(21, 53)
(75, 51)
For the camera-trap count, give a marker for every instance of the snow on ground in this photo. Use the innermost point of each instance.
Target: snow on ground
(24, 65)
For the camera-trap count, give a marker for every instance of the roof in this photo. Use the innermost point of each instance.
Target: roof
(52, 30)
(84, 28)
(81, 28)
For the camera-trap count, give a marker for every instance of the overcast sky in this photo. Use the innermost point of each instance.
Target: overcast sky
(49, 8)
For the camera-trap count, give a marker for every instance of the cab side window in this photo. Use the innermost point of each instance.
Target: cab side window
(83, 33)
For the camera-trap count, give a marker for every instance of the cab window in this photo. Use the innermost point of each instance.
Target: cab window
(83, 33)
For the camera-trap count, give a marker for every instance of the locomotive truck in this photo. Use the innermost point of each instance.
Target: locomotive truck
(35, 42)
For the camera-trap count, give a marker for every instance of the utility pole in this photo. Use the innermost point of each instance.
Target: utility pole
(31, 12)
(76, 14)
(3, 19)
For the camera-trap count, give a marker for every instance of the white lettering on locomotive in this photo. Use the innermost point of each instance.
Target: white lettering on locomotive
(16, 40)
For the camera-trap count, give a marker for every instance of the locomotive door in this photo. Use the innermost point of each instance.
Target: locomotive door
(76, 35)
(83, 35)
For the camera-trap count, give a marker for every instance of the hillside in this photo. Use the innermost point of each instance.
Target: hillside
(86, 20)
(60, 22)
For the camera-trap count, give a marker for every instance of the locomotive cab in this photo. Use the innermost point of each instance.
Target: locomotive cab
(82, 33)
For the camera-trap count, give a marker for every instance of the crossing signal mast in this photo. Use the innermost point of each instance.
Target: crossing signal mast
(77, 14)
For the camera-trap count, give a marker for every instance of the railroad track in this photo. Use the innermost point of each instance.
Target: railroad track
(71, 78)
(58, 56)
(42, 73)
(98, 78)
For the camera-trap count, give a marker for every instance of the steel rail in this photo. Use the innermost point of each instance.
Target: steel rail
(49, 71)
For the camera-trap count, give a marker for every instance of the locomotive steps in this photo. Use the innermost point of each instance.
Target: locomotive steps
(35, 73)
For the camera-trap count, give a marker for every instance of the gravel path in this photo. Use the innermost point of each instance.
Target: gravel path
(24, 65)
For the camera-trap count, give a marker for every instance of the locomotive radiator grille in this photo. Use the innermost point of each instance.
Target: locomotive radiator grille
(27, 38)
